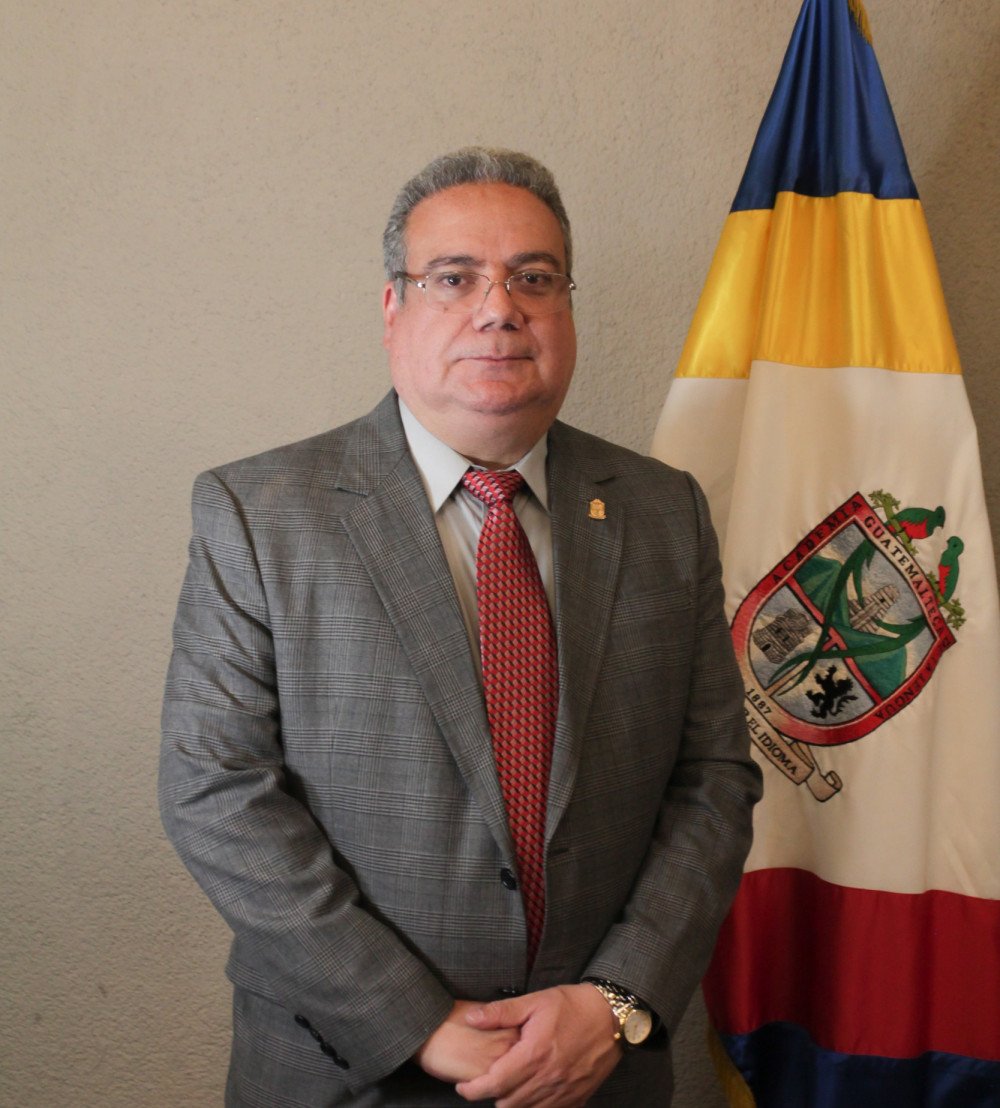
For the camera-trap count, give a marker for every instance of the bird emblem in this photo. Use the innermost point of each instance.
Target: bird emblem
(948, 568)
(917, 523)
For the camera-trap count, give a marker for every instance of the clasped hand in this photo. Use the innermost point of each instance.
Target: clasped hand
(549, 1049)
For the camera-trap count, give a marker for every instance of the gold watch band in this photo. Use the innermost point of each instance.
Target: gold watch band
(635, 1021)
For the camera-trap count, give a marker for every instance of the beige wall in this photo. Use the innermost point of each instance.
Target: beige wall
(192, 199)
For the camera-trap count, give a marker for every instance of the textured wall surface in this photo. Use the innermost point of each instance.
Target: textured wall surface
(192, 194)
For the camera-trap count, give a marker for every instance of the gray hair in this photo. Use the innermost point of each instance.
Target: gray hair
(469, 166)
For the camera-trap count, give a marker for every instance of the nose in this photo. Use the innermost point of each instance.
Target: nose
(498, 308)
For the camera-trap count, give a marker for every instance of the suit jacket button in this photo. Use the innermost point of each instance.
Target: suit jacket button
(334, 1056)
(510, 990)
(507, 878)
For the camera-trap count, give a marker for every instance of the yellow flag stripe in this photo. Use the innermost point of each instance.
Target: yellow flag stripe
(822, 281)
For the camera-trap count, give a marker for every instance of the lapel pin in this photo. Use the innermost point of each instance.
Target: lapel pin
(597, 509)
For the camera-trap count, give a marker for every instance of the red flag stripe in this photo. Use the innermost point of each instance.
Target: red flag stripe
(864, 971)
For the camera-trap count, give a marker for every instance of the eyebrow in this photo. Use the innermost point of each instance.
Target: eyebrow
(534, 256)
(525, 258)
(453, 259)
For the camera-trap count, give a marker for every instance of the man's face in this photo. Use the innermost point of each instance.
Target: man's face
(490, 382)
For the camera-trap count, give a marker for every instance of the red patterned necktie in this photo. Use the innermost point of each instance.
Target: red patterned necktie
(520, 678)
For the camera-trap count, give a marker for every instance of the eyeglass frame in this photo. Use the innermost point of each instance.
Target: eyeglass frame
(421, 283)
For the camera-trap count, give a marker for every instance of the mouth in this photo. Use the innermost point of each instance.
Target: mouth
(496, 359)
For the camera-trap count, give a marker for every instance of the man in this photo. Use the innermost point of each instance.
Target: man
(455, 871)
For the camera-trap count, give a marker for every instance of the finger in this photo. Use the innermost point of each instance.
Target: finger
(481, 1089)
(507, 1075)
(498, 1013)
(533, 1095)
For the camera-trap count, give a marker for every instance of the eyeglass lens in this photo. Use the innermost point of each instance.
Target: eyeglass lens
(536, 291)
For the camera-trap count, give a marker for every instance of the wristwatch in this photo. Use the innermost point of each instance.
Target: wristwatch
(635, 1023)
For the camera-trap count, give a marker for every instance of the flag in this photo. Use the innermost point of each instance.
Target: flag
(819, 401)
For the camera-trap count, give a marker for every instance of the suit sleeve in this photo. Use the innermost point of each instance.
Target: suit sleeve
(252, 846)
(662, 943)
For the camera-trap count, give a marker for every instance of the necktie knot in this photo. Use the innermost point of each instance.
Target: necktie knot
(492, 486)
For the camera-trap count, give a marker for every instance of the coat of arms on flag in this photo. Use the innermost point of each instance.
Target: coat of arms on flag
(843, 632)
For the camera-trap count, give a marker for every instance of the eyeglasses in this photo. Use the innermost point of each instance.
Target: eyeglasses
(533, 291)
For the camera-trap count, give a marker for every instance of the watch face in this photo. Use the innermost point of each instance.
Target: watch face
(638, 1024)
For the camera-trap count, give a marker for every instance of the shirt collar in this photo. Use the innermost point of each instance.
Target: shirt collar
(442, 468)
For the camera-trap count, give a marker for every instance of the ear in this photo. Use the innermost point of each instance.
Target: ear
(390, 306)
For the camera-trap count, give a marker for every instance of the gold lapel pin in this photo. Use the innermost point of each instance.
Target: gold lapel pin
(597, 509)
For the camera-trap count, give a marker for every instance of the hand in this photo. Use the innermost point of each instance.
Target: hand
(460, 1051)
(567, 1047)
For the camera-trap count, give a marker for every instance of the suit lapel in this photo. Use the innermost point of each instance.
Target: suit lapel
(394, 533)
(587, 555)
(395, 536)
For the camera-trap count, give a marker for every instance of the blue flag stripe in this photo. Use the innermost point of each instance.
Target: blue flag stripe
(784, 1067)
(829, 126)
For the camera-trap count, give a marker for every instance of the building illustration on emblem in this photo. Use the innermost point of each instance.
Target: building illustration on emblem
(783, 634)
(844, 633)
(865, 614)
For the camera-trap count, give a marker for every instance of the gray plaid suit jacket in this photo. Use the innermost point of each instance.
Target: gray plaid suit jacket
(327, 773)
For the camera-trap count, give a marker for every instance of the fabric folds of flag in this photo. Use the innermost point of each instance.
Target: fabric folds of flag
(819, 401)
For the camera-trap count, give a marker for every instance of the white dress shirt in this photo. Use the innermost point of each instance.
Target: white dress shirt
(459, 515)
